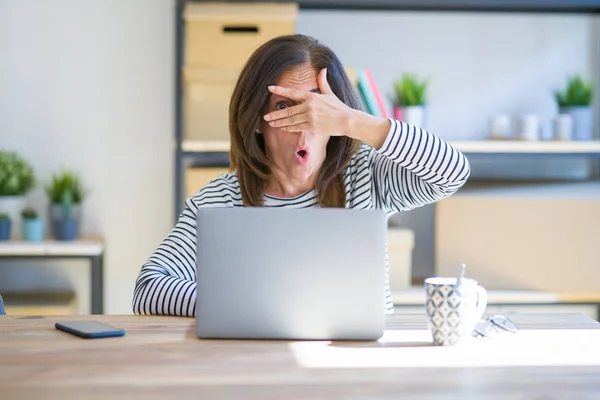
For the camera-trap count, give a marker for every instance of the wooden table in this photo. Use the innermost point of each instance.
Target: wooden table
(551, 357)
(91, 249)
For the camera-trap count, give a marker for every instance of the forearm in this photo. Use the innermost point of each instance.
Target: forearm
(425, 155)
(367, 128)
(159, 294)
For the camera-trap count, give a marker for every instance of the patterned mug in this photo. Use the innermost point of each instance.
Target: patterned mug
(453, 310)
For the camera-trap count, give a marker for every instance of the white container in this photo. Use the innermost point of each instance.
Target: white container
(563, 127)
(400, 243)
(415, 116)
(13, 205)
(530, 128)
(583, 122)
(500, 127)
(412, 115)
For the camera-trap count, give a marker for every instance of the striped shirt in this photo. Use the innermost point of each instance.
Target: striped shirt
(411, 169)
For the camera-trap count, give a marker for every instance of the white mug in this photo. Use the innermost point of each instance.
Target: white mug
(530, 127)
(500, 127)
(453, 310)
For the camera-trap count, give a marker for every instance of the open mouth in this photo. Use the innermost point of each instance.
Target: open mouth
(302, 156)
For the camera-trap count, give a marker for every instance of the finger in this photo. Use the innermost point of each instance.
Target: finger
(324, 87)
(293, 120)
(293, 94)
(305, 127)
(286, 112)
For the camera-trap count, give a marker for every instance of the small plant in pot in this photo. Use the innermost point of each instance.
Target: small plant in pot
(576, 101)
(66, 195)
(5, 225)
(16, 179)
(33, 226)
(410, 100)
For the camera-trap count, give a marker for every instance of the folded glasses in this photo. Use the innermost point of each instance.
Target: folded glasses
(494, 326)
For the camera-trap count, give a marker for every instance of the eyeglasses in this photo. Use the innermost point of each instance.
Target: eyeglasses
(493, 326)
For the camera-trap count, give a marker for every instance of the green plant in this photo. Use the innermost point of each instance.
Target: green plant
(65, 188)
(410, 91)
(29, 213)
(16, 175)
(577, 93)
(3, 216)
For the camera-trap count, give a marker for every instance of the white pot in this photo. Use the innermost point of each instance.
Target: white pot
(583, 122)
(413, 115)
(13, 205)
(563, 127)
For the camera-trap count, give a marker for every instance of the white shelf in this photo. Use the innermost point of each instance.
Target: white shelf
(483, 147)
(523, 147)
(198, 146)
(83, 247)
(588, 190)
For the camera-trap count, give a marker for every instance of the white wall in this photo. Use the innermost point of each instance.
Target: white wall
(89, 85)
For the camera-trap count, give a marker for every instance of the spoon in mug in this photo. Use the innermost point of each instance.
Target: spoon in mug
(461, 273)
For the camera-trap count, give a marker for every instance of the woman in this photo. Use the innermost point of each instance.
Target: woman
(299, 139)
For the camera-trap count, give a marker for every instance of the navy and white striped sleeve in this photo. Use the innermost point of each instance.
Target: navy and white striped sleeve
(414, 167)
(166, 284)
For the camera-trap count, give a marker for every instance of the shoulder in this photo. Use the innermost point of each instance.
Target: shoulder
(361, 158)
(223, 191)
(364, 151)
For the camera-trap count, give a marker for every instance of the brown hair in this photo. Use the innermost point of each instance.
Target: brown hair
(250, 98)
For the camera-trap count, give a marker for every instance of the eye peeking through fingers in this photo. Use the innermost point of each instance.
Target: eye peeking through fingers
(281, 105)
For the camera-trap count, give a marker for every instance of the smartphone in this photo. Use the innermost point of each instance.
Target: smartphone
(89, 329)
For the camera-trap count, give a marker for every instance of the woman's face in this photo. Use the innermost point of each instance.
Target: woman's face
(297, 154)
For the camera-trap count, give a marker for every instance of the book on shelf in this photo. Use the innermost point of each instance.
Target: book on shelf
(367, 95)
(370, 94)
(376, 93)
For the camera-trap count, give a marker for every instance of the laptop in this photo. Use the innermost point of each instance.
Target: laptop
(294, 274)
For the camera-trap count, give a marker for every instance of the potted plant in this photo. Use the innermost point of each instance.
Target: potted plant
(4, 226)
(576, 101)
(410, 100)
(66, 195)
(16, 179)
(33, 227)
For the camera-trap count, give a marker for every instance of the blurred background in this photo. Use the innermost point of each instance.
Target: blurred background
(113, 112)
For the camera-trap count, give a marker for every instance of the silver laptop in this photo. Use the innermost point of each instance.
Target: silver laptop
(298, 274)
